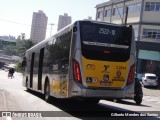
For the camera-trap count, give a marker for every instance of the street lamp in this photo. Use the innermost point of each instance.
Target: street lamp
(51, 28)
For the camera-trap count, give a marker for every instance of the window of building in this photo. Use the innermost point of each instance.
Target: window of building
(147, 7)
(113, 11)
(157, 6)
(100, 14)
(107, 13)
(118, 11)
(151, 33)
(134, 8)
(152, 6)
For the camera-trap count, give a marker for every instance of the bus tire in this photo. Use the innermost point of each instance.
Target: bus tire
(47, 92)
(27, 84)
(138, 100)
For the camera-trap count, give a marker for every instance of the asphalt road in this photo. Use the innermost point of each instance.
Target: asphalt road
(14, 97)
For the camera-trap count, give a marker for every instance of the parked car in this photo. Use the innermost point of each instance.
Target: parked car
(149, 79)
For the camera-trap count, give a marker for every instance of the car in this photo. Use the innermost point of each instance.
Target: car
(149, 79)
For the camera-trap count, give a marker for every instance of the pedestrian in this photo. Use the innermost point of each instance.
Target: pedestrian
(11, 72)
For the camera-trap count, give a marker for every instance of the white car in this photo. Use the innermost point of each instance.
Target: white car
(149, 79)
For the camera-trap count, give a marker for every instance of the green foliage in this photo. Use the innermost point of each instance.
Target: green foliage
(19, 67)
(10, 50)
(23, 45)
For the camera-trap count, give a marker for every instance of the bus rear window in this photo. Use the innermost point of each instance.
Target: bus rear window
(102, 40)
(106, 35)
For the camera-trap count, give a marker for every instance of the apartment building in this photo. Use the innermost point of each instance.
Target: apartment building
(144, 16)
(63, 21)
(89, 18)
(39, 26)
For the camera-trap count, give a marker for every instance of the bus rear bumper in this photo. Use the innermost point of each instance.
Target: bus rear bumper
(126, 93)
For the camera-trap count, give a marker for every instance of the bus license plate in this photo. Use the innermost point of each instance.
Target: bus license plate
(102, 83)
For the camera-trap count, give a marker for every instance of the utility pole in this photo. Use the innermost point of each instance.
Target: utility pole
(126, 17)
(51, 29)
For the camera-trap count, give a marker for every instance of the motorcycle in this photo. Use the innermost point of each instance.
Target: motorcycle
(138, 92)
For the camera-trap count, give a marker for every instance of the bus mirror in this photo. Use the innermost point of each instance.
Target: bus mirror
(130, 26)
(74, 29)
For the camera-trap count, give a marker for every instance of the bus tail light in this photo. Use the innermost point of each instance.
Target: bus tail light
(76, 71)
(131, 75)
(107, 52)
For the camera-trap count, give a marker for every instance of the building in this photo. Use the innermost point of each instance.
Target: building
(39, 26)
(10, 37)
(144, 16)
(63, 21)
(89, 18)
(7, 42)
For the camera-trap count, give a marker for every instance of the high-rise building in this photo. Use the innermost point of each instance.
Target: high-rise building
(89, 18)
(144, 16)
(39, 26)
(63, 21)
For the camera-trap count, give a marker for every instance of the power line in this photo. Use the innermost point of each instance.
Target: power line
(21, 23)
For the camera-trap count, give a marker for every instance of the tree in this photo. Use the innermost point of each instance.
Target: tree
(22, 36)
(24, 45)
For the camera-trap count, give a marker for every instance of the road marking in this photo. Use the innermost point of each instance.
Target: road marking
(5, 105)
(151, 98)
(9, 118)
(4, 101)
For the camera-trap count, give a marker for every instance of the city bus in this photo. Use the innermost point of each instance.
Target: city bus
(86, 60)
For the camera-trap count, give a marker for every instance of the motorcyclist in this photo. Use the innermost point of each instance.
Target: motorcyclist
(11, 72)
(138, 91)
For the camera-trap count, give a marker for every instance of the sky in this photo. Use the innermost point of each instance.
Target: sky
(16, 15)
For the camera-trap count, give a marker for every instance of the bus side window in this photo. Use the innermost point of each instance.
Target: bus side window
(64, 64)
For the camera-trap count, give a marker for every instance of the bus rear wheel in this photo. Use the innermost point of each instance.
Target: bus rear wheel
(138, 100)
(27, 84)
(47, 92)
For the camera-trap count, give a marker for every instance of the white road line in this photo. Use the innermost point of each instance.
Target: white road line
(4, 101)
(9, 118)
(151, 98)
(5, 105)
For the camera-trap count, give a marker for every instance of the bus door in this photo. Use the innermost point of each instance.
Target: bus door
(31, 70)
(40, 69)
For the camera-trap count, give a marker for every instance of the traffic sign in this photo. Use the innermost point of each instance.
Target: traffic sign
(8, 43)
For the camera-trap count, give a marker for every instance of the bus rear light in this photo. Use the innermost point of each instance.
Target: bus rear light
(106, 51)
(131, 75)
(76, 71)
